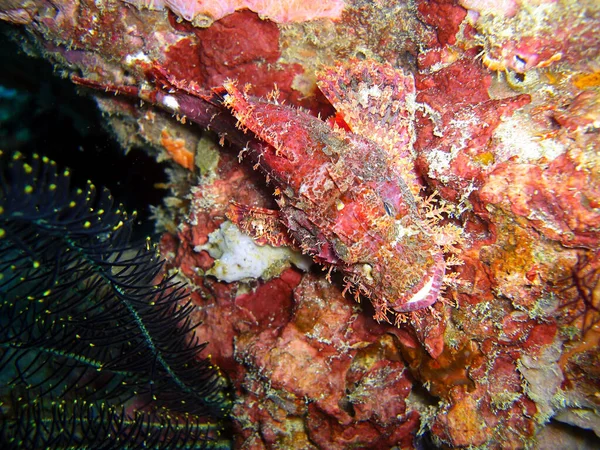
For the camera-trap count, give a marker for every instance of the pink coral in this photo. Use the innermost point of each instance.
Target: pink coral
(203, 12)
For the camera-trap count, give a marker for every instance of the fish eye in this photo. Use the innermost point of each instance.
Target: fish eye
(389, 209)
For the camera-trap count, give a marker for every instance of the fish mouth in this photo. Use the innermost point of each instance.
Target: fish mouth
(427, 291)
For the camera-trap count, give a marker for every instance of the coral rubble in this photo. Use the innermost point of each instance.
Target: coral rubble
(490, 128)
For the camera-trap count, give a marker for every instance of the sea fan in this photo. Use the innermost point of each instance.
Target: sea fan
(97, 348)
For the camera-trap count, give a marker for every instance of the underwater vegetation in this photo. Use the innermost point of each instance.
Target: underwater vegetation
(97, 348)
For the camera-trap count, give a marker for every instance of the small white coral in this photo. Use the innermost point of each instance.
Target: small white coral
(238, 258)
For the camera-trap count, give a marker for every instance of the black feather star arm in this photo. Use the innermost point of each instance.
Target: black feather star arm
(97, 348)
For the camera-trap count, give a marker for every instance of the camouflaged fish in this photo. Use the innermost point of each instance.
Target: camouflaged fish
(348, 195)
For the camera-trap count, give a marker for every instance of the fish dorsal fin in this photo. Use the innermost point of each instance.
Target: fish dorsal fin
(375, 100)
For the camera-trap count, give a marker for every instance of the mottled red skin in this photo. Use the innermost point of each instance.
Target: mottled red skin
(317, 169)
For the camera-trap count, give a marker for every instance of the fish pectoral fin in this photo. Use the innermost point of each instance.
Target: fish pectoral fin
(261, 224)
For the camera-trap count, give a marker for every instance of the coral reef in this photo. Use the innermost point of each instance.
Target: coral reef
(519, 36)
(483, 120)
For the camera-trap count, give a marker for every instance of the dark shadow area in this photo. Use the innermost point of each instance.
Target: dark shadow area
(43, 113)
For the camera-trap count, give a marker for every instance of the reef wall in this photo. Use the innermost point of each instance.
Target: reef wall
(498, 141)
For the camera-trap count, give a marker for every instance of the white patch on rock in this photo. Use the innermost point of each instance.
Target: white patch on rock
(237, 257)
(518, 138)
(132, 60)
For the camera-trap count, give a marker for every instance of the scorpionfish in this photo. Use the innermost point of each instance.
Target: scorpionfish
(348, 195)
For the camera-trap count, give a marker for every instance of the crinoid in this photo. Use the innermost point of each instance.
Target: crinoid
(97, 348)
